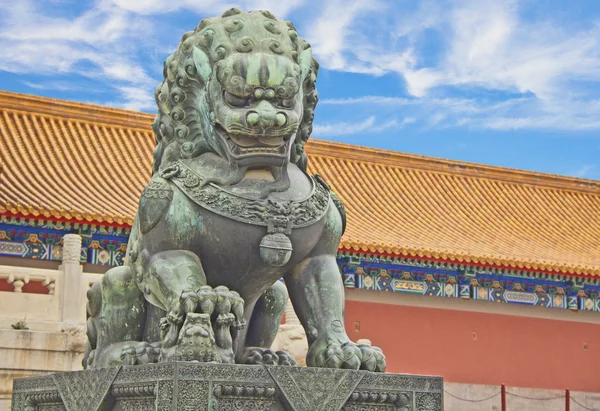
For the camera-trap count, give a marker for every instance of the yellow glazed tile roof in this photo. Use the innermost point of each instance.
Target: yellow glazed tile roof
(85, 163)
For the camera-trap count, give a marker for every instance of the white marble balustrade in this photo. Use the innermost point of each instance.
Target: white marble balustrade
(19, 276)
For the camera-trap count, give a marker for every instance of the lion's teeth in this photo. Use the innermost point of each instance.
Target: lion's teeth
(250, 150)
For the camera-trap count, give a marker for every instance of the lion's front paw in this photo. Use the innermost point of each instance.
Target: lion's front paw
(125, 353)
(145, 353)
(372, 358)
(347, 355)
(256, 355)
(335, 355)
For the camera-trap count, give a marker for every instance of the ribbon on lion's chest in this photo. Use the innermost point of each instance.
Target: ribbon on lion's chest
(279, 217)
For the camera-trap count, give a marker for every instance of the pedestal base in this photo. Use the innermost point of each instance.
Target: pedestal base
(194, 386)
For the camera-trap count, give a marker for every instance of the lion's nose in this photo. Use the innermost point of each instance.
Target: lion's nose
(252, 118)
(255, 119)
(265, 116)
(280, 119)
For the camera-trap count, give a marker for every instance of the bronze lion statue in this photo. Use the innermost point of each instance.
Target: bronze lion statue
(230, 211)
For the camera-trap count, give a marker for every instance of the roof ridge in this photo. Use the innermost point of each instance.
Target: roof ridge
(74, 110)
(453, 167)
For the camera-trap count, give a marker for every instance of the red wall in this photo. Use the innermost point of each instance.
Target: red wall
(516, 351)
(34, 287)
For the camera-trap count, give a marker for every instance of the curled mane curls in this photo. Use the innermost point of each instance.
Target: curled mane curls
(184, 123)
(310, 100)
(179, 125)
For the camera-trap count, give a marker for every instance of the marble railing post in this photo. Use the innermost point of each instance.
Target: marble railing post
(72, 299)
(290, 315)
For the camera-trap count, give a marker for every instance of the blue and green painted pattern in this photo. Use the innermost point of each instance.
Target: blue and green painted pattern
(468, 282)
(39, 239)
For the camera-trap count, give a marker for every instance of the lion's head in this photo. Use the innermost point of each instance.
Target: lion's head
(241, 86)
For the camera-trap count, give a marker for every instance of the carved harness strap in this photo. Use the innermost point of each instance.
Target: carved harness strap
(279, 217)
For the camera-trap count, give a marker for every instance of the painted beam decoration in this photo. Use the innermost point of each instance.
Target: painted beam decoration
(468, 282)
(101, 245)
(42, 240)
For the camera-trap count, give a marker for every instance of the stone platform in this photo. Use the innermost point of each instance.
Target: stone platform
(194, 386)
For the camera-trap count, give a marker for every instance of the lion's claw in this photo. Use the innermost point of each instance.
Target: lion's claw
(128, 355)
(254, 358)
(255, 355)
(372, 358)
(237, 308)
(207, 299)
(146, 353)
(221, 301)
(285, 358)
(189, 300)
(225, 319)
(125, 353)
(347, 355)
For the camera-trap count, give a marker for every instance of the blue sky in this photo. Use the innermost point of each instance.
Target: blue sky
(504, 82)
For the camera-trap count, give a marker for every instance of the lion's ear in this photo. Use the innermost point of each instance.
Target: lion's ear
(305, 62)
(202, 63)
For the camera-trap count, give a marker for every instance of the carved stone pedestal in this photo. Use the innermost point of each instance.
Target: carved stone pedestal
(195, 386)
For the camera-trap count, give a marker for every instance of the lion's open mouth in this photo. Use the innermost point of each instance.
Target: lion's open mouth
(247, 142)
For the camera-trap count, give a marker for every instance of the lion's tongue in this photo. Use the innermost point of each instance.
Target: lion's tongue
(271, 141)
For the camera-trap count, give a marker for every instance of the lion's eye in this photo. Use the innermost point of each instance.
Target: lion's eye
(235, 101)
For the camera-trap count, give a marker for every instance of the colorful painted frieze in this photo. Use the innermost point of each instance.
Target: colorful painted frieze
(42, 240)
(460, 281)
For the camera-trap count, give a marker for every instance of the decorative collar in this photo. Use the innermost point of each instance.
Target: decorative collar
(278, 216)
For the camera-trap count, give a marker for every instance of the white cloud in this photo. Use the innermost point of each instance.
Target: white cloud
(369, 125)
(540, 122)
(456, 104)
(94, 26)
(281, 8)
(137, 99)
(368, 100)
(484, 45)
(343, 128)
(493, 47)
(96, 44)
(584, 171)
(418, 82)
(458, 112)
(60, 86)
(162, 6)
(329, 35)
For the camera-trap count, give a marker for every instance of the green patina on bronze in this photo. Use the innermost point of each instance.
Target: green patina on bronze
(228, 212)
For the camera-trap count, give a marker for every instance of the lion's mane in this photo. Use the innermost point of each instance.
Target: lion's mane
(183, 125)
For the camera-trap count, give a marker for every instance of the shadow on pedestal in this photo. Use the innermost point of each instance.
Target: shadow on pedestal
(194, 386)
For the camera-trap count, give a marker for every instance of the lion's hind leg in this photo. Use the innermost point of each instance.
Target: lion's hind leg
(116, 319)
